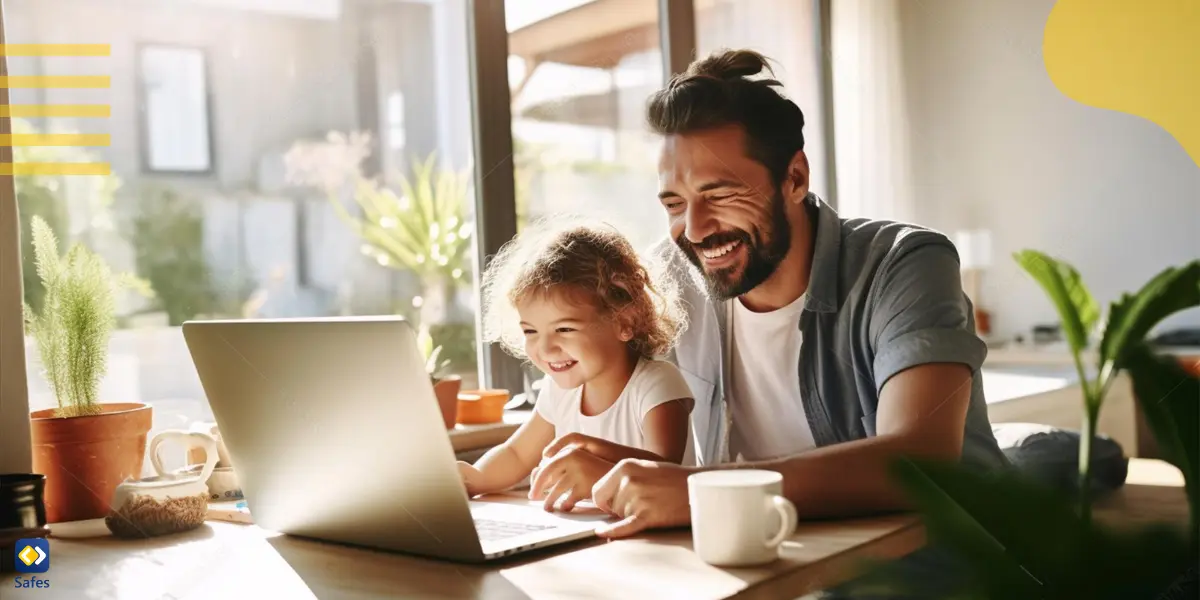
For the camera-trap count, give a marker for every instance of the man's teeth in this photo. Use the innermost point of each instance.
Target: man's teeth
(719, 251)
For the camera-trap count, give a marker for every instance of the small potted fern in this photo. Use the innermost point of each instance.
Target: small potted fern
(84, 448)
(445, 386)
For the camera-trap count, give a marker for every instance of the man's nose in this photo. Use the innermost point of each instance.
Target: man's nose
(698, 222)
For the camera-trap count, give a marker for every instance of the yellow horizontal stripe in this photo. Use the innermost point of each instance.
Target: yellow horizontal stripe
(55, 110)
(55, 50)
(26, 169)
(54, 139)
(54, 81)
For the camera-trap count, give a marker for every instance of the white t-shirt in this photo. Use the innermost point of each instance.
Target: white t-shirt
(768, 416)
(653, 383)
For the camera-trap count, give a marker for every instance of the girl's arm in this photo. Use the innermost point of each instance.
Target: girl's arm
(665, 427)
(570, 476)
(507, 464)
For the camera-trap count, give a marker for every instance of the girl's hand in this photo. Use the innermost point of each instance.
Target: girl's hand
(592, 445)
(472, 478)
(609, 451)
(568, 476)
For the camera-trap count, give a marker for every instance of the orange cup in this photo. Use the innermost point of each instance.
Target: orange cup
(480, 407)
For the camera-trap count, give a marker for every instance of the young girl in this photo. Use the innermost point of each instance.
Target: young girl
(573, 298)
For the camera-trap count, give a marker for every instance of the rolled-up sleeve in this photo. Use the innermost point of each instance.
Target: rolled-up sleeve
(920, 314)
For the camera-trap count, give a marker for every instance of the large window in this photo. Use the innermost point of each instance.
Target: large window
(580, 73)
(233, 132)
(245, 137)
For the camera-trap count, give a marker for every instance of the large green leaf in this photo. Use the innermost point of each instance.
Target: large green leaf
(1076, 307)
(1132, 317)
(1021, 540)
(1170, 400)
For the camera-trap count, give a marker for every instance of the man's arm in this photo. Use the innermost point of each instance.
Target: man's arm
(925, 355)
(922, 412)
(925, 358)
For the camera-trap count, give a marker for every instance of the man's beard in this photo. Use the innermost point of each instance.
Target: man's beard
(762, 256)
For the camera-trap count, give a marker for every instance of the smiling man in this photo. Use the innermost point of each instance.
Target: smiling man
(819, 347)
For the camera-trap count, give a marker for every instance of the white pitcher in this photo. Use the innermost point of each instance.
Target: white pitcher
(164, 485)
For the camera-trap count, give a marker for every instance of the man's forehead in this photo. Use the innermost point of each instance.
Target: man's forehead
(704, 155)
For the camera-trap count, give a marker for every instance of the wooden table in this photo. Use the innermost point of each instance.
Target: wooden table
(223, 560)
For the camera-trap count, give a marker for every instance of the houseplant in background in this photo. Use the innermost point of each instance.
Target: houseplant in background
(84, 448)
(445, 386)
(416, 223)
(1021, 539)
(167, 235)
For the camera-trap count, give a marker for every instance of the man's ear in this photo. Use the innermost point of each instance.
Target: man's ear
(795, 184)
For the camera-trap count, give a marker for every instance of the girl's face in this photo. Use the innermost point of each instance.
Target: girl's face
(570, 339)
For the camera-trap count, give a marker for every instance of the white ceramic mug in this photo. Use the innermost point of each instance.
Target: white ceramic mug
(739, 516)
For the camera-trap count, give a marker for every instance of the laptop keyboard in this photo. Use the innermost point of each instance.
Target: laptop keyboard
(491, 530)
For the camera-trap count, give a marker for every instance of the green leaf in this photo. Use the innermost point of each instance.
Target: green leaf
(1076, 307)
(1022, 540)
(45, 251)
(959, 514)
(1170, 400)
(1131, 318)
(425, 342)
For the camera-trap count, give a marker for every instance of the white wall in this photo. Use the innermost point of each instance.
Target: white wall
(996, 145)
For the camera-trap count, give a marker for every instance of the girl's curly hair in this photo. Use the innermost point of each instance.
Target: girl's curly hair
(595, 262)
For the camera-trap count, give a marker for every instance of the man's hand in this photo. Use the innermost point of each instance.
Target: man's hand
(644, 495)
(569, 474)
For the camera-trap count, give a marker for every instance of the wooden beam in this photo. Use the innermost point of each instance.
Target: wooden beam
(606, 51)
(585, 22)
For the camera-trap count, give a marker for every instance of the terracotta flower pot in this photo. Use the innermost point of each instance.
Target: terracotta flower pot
(85, 458)
(446, 390)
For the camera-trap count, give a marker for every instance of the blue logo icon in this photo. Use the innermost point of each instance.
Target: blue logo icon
(32, 555)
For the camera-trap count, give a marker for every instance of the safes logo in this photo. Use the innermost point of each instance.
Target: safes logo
(31, 555)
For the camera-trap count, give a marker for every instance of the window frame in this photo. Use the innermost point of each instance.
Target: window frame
(16, 449)
(143, 111)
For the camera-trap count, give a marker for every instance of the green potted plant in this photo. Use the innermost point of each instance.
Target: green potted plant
(445, 385)
(84, 448)
(415, 222)
(1020, 539)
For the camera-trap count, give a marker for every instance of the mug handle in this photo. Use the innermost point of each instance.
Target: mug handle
(787, 518)
(190, 439)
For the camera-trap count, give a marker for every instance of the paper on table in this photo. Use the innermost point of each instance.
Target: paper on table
(234, 512)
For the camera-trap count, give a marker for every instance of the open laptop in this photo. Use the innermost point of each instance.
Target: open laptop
(335, 432)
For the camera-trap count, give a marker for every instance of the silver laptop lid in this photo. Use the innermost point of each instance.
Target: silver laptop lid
(334, 431)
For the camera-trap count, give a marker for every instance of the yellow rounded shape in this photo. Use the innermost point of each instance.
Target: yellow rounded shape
(1138, 57)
